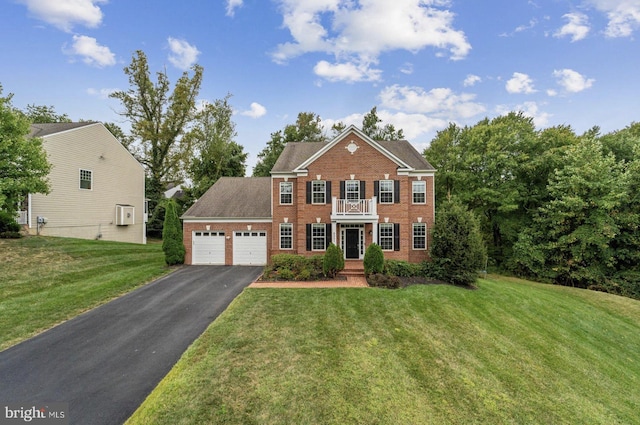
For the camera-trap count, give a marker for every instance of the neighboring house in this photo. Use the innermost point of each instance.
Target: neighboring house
(351, 191)
(97, 186)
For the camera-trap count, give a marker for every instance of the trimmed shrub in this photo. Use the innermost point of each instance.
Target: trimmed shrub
(8, 222)
(10, 235)
(172, 243)
(292, 266)
(373, 259)
(402, 268)
(333, 261)
(458, 250)
(380, 280)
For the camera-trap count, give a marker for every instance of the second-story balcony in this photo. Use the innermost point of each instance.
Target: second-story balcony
(354, 209)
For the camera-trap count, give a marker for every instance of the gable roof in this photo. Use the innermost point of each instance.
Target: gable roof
(41, 130)
(234, 197)
(296, 156)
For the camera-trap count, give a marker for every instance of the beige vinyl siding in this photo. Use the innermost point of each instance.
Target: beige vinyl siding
(117, 178)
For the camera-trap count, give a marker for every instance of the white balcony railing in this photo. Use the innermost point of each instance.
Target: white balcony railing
(357, 207)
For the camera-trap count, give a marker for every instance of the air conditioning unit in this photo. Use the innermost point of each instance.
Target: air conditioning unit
(125, 215)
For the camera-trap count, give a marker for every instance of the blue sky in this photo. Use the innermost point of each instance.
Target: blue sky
(422, 63)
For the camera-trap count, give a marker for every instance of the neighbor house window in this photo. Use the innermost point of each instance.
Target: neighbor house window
(86, 179)
(386, 191)
(286, 192)
(286, 236)
(419, 236)
(386, 236)
(318, 239)
(352, 190)
(318, 191)
(419, 190)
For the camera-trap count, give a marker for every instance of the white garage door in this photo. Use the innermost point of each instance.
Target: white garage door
(208, 248)
(250, 248)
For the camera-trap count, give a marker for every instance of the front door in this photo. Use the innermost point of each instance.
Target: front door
(352, 239)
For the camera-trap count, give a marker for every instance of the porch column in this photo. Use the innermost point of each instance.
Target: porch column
(334, 232)
(374, 225)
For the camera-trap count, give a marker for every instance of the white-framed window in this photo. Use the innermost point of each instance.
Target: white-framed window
(86, 179)
(419, 191)
(386, 236)
(318, 236)
(286, 193)
(286, 236)
(318, 192)
(352, 190)
(419, 236)
(385, 192)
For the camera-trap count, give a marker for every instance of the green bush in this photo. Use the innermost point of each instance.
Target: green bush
(373, 259)
(292, 266)
(172, 243)
(380, 280)
(333, 261)
(8, 222)
(458, 250)
(10, 235)
(402, 268)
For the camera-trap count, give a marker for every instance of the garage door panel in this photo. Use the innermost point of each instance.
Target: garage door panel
(250, 248)
(208, 248)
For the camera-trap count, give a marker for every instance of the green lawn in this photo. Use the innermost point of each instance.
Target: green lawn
(44, 280)
(510, 352)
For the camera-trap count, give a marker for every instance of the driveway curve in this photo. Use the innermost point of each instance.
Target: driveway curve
(106, 361)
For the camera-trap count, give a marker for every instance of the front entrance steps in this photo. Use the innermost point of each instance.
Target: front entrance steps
(353, 268)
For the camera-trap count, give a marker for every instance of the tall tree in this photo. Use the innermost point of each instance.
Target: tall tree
(40, 114)
(159, 122)
(23, 161)
(308, 128)
(216, 154)
(371, 127)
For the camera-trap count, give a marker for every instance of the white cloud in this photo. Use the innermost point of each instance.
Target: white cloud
(471, 80)
(623, 15)
(441, 102)
(531, 109)
(348, 72)
(256, 111)
(356, 33)
(577, 26)
(520, 83)
(183, 55)
(64, 14)
(100, 93)
(572, 81)
(232, 5)
(407, 68)
(551, 93)
(91, 52)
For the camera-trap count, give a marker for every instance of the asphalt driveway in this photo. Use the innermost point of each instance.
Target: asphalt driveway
(105, 362)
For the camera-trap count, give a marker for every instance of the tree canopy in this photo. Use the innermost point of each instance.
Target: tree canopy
(307, 128)
(41, 114)
(23, 161)
(159, 122)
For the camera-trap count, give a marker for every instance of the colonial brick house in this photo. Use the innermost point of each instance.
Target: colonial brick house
(351, 191)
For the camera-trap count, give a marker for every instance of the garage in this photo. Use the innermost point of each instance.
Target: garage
(208, 247)
(250, 248)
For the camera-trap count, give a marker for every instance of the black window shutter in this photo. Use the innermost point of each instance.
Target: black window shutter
(396, 236)
(308, 237)
(328, 196)
(376, 190)
(308, 192)
(342, 189)
(327, 234)
(396, 191)
(362, 191)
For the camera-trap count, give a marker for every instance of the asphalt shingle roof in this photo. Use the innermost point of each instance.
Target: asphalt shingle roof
(234, 197)
(41, 130)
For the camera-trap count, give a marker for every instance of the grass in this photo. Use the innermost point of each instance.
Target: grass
(44, 280)
(510, 352)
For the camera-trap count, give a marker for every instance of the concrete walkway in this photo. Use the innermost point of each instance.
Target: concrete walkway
(104, 363)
